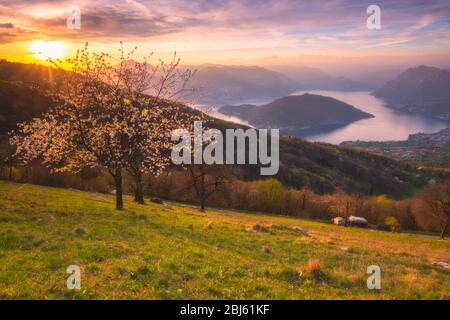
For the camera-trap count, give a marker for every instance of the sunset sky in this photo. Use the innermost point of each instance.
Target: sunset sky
(227, 31)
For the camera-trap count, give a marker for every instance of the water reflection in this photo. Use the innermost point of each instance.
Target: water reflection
(386, 125)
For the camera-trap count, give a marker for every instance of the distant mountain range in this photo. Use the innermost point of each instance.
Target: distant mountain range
(232, 83)
(423, 90)
(307, 113)
(226, 83)
(220, 84)
(306, 78)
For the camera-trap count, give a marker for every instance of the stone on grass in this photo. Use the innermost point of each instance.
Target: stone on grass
(442, 264)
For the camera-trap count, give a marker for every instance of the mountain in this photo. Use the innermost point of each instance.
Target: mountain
(300, 113)
(306, 78)
(423, 90)
(321, 167)
(212, 83)
(417, 85)
(371, 70)
(215, 83)
(228, 83)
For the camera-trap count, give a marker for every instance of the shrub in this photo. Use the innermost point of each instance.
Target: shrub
(273, 193)
(393, 223)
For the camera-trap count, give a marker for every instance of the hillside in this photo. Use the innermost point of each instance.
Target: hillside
(18, 103)
(420, 149)
(174, 252)
(325, 167)
(26, 73)
(423, 90)
(320, 167)
(300, 113)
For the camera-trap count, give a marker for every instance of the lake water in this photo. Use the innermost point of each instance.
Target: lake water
(386, 125)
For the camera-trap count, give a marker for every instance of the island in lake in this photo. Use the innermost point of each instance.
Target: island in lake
(305, 114)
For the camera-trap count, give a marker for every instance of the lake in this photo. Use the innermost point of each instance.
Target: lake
(386, 125)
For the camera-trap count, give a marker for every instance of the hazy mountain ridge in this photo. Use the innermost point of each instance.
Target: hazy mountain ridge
(222, 83)
(227, 83)
(417, 85)
(307, 78)
(422, 90)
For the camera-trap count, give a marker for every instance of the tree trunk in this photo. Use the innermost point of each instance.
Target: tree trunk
(26, 173)
(138, 193)
(303, 201)
(202, 192)
(119, 192)
(443, 230)
(202, 205)
(10, 171)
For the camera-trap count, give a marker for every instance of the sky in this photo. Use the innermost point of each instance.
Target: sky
(220, 31)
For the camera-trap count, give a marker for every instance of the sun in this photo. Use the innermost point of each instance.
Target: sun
(44, 50)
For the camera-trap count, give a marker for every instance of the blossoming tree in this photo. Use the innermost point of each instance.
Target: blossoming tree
(113, 113)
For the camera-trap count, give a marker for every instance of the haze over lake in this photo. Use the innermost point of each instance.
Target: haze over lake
(386, 125)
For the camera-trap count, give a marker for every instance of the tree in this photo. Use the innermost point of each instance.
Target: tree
(306, 194)
(117, 117)
(434, 202)
(3, 156)
(208, 179)
(345, 204)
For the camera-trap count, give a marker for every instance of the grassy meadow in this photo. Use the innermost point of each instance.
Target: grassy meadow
(157, 251)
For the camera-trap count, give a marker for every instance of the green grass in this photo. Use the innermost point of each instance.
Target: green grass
(158, 252)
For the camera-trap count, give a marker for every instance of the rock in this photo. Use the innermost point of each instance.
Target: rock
(358, 222)
(442, 264)
(300, 230)
(339, 221)
(168, 206)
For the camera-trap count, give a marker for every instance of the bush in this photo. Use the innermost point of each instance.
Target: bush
(273, 193)
(393, 223)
